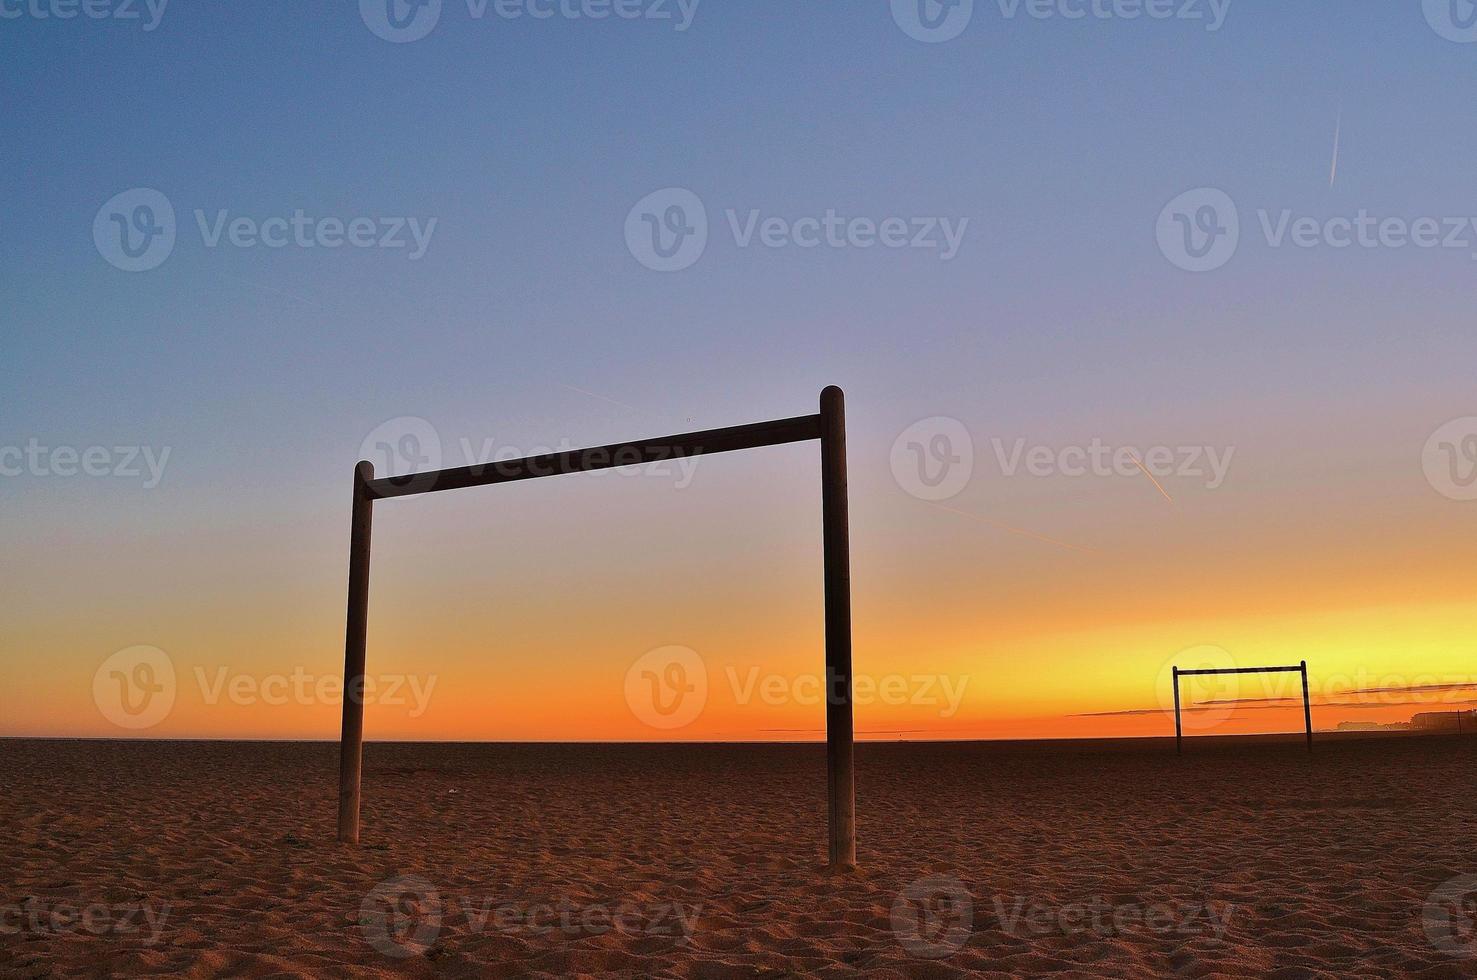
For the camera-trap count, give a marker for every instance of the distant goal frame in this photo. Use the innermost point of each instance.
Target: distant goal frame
(828, 427)
(1301, 668)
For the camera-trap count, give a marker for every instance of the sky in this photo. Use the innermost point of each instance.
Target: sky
(1155, 332)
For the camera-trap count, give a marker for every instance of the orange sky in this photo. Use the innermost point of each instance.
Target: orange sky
(517, 612)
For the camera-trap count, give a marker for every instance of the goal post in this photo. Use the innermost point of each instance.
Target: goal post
(828, 427)
(1301, 668)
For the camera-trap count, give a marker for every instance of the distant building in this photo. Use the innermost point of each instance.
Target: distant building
(1456, 720)
(1442, 721)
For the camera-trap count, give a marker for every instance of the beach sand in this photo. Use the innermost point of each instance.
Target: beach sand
(1244, 858)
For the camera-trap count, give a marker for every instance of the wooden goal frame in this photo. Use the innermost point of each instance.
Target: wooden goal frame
(828, 427)
(1301, 668)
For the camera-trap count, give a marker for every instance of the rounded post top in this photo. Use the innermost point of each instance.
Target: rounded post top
(364, 470)
(832, 395)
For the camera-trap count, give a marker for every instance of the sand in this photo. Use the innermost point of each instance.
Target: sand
(1005, 859)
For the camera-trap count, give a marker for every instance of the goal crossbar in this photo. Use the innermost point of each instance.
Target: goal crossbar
(1300, 668)
(1239, 670)
(828, 427)
(682, 446)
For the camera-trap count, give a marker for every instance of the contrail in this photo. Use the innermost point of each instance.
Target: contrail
(1157, 485)
(1338, 128)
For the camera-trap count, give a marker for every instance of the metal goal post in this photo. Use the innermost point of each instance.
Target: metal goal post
(1301, 668)
(828, 427)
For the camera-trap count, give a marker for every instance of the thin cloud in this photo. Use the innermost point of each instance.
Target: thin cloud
(1263, 704)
